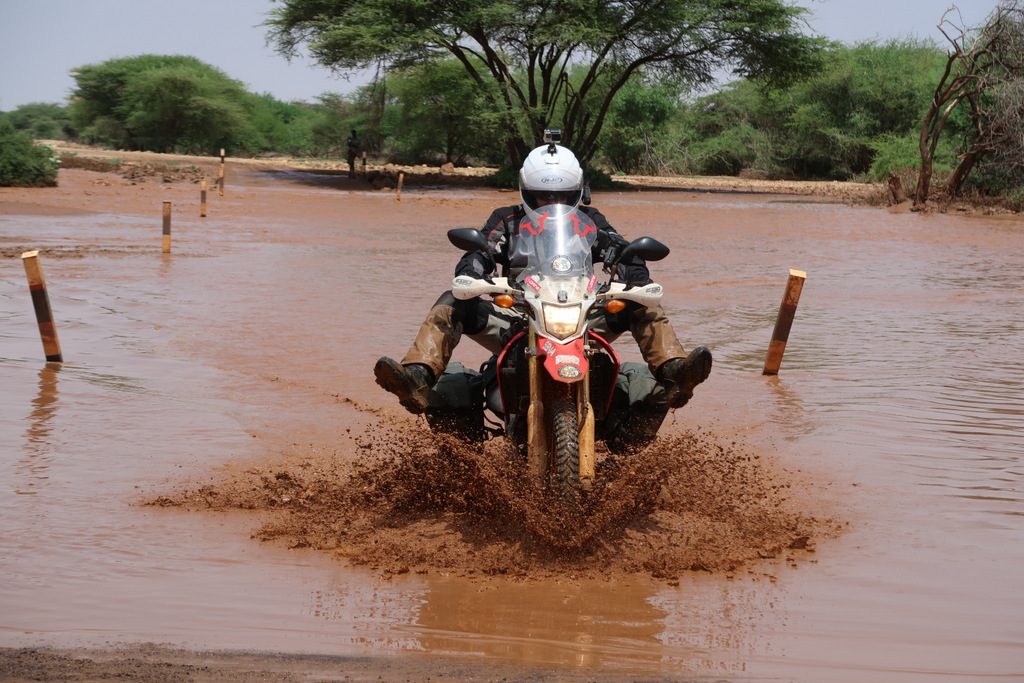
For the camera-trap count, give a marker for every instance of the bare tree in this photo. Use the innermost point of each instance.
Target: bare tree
(983, 67)
(1007, 113)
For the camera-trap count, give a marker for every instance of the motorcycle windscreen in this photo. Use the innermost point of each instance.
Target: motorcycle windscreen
(554, 242)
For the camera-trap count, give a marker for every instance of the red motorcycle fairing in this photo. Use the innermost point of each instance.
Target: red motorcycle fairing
(601, 341)
(564, 362)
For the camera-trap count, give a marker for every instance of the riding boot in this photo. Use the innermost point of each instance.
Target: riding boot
(677, 372)
(679, 376)
(410, 383)
(412, 379)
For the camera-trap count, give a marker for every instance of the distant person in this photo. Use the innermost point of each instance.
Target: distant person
(353, 145)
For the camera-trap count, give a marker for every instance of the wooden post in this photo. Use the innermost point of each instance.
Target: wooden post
(220, 176)
(41, 302)
(787, 311)
(167, 227)
(401, 179)
(202, 198)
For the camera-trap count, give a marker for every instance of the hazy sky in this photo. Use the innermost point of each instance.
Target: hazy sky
(42, 40)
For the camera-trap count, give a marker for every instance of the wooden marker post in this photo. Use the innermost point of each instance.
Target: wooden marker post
(41, 302)
(220, 176)
(167, 227)
(787, 311)
(202, 198)
(401, 179)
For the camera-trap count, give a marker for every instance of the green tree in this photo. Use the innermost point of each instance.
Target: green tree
(283, 127)
(438, 112)
(179, 108)
(334, 117)
(43, 120)
(162, 103)
(636, 116)
(722, 133)
(520, 54)
(864, 92)
(828, 126)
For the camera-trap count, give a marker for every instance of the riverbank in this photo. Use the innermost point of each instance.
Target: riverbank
(388, 177)
(385, 176)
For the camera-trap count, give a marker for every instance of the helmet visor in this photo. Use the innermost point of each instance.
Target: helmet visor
(538, 198)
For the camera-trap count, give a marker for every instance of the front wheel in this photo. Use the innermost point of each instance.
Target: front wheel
(566, 446)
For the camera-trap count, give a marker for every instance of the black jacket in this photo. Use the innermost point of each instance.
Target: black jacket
(504, 224)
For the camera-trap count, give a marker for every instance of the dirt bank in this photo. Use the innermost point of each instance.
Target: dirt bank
(136, 165)
(139, 166)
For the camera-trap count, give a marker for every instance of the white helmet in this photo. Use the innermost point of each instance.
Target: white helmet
(550, 175)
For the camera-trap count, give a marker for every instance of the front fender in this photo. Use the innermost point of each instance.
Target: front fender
(564, 362)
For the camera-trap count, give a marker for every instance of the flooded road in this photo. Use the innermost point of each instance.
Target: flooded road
(899, 401)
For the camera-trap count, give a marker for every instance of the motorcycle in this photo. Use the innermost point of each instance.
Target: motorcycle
(557, 386)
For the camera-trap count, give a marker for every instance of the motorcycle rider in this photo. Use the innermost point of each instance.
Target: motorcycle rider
(550, 174)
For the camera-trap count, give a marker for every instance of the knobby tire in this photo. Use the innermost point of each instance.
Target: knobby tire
(566, 448)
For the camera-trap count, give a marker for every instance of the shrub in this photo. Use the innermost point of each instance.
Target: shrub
(505, 177)
(22, 163)
(43, 120)
(1015, 200)
(894, 154)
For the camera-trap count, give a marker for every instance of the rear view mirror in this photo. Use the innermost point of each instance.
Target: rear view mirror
(647, 248)
(468, 239)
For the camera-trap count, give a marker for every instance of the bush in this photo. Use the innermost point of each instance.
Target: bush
(22, 163)
(864, 102)
(43, 120)
(894, 154)
(728, 153)
(1015, 200)
(505, 177)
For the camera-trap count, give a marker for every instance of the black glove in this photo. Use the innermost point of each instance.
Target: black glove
(633, 275)
(476, 264)
(610, 244)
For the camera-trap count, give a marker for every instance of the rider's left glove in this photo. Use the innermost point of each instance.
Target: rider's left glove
(633, 275)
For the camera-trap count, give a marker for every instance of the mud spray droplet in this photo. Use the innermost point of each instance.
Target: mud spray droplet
(412, 500)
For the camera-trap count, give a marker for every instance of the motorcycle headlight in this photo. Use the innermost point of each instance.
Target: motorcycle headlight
(562, 321)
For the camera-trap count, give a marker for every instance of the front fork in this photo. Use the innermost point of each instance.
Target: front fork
(537, 441)
(585, 419)
(536, 432)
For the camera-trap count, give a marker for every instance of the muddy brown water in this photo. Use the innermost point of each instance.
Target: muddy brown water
(898, 417)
